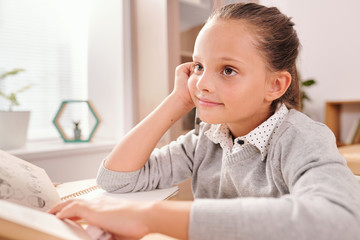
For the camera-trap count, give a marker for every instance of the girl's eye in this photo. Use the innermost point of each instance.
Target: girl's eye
(198, 67)
(229, 72)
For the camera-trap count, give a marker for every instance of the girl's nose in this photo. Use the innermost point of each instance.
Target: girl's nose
(205, 83)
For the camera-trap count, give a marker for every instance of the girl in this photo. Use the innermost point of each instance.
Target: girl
(260, 169)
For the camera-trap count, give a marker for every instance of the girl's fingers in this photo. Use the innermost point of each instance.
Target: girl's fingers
(186, 68)
(73, 209)
(55, 209)
(118, 217)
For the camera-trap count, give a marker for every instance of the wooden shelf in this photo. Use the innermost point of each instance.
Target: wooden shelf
(187, 39)
(352, 155)
(186, 56)
(332, 117)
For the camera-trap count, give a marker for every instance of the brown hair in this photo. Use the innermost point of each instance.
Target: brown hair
(276, 40)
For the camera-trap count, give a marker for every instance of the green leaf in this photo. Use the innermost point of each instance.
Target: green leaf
(307, 83)
(3, 94)
(13, 99)
(13, 72)
(305, 96)
(24, 88)
(7, 97)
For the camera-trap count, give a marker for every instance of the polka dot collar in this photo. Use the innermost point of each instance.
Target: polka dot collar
(259, 137)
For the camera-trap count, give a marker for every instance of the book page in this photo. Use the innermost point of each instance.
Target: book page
(24, 183)
(36, 224)
(87, 189)
(69, 188)
(153, 195)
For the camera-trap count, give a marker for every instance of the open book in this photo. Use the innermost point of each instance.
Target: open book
(26, 193)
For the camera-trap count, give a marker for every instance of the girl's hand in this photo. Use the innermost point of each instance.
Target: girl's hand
(122, 218)
(182, 75)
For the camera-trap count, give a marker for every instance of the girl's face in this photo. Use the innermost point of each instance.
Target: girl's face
(229, 80)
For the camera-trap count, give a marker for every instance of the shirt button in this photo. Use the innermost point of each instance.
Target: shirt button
(240, 141)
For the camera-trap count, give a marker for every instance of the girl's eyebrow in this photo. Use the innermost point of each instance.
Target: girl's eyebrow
(231, 59)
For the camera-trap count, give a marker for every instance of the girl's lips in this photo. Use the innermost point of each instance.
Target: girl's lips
(208, 103)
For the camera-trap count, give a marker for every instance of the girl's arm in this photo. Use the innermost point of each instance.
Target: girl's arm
(129, 219)
(135, 148)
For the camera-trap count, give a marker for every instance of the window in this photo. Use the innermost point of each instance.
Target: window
(49, 39)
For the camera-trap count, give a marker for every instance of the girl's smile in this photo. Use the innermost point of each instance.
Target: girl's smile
(208, 103)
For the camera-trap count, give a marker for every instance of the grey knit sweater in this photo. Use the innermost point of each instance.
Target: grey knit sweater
(302, 190)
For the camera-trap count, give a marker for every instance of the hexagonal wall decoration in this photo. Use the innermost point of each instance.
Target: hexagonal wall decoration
(76, 120)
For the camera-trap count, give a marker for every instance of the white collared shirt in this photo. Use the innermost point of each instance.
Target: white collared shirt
(259, 137)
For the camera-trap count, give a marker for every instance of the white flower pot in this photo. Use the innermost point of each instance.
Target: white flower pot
(13, 129)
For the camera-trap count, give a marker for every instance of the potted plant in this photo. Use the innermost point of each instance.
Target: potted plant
(13, 124)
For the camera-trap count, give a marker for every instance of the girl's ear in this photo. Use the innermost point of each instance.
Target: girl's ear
(277, 85)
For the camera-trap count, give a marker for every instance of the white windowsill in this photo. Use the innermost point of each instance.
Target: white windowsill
(55, 148)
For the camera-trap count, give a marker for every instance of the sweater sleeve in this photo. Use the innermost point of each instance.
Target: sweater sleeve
(165, 167)
(323, 200)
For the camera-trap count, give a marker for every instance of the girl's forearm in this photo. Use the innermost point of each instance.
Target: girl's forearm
(135, 148)
(170, 218)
